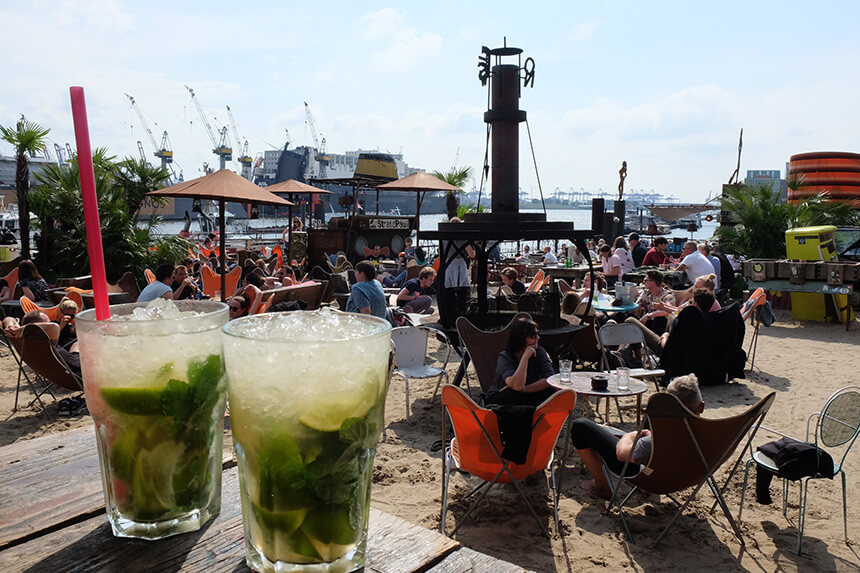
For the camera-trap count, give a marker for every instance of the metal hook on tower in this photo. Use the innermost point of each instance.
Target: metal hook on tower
(529, 73)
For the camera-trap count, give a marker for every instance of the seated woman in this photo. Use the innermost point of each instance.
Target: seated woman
(522, 369)
(68, 334)
(240, 305)
(511, 278)
(32, 283)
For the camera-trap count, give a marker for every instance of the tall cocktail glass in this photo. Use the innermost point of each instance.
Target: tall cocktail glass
(154, 384)
(307, 393)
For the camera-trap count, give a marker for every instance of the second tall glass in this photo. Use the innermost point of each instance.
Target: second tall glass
(307, 392)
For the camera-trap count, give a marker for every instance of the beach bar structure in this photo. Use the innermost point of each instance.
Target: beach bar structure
(484, 231)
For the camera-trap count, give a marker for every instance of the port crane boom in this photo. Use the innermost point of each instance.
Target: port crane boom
(221, 147)
(164, 151)
(321, 155)
(244, 159)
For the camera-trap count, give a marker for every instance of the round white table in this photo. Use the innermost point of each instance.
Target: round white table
(580, 382)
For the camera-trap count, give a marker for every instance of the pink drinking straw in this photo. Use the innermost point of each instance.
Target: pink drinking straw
(91, 203)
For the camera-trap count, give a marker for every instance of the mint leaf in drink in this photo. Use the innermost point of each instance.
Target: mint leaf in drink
(203, 376)
(176, 403)
(282, 474)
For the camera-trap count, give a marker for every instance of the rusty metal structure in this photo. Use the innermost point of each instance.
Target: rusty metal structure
(484, 231)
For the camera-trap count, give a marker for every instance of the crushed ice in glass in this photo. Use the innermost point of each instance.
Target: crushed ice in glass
(158, 309)
(316, 326)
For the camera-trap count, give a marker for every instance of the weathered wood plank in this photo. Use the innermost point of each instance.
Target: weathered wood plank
(468, 560)
(48, 481)
(394, 545)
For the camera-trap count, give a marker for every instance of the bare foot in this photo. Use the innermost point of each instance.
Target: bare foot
(591, 487)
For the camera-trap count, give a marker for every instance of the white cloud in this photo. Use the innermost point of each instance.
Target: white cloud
(399, 46)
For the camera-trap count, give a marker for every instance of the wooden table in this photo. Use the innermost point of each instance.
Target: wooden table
(52, 518)
(580, 382)
(574, 274)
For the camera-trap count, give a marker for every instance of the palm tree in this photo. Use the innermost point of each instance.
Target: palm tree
(761, 219)
(458, 177)
(28, 138)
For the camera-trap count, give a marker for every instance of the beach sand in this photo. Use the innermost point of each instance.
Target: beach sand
(802, 362)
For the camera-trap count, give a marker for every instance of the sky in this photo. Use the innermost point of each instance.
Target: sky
(665, 86)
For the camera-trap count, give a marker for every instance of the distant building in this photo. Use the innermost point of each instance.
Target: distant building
(767, 178)
(8, 167)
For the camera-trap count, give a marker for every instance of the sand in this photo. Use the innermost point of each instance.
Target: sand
(802, 362)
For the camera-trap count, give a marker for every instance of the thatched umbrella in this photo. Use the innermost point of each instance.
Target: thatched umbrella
(222, 186)
(420, 182)
(293, 187)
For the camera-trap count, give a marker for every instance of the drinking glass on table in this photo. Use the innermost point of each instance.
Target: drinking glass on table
(565, 368)
(622, 376)
(306, 418)
(153, 377)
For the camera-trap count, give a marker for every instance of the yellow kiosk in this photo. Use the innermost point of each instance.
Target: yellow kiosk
(813, 244)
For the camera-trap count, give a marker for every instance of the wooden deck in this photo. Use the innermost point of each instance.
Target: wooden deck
(52, 519)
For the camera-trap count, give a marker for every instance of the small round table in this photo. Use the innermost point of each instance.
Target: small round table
(604, 307)
(580, 382)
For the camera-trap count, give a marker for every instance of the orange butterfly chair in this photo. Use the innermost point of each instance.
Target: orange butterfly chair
(11, 279)
(477, 447)
(53, 312)
(279, 252)
(212, 281)
(150, 276)
(538, 282)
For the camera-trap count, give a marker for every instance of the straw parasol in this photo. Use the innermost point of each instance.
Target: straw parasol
(222, 186)
(293, 187)
(420, 182)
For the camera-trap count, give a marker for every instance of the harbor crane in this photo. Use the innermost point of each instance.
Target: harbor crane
(142, 154)
(321, 156)
(244, 159)
(61, 161)
(163, 151)
(221, 147)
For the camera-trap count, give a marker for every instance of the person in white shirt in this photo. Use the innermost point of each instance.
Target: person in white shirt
(694, 263)
(548, 257)
(624, 256)
(715, 262)
(524, 259)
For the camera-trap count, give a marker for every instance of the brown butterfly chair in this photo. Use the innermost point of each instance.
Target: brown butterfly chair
(483, 348)
(686, 451)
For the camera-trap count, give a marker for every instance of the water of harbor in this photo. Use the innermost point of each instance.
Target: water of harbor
(581, 219)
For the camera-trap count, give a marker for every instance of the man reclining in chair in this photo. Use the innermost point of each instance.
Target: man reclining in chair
(597, 444)
(14, 329)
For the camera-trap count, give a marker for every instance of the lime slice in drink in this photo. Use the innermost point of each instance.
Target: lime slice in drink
(152, 480)
(134, 401)
(329, 524)
(328, 412)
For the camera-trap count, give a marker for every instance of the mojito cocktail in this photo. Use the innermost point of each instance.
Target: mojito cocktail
(307, 393)
(153, 378)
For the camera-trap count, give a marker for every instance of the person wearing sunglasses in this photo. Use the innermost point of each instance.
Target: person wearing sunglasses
(522, 369)
(239, 305)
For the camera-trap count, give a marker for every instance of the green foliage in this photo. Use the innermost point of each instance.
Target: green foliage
(458, 177)
(463, 210)
(762, 219)
(121, 188)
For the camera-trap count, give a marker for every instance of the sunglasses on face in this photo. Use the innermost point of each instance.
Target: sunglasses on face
(235, 308)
